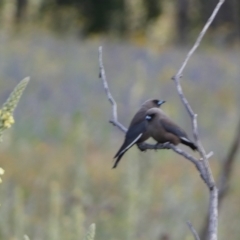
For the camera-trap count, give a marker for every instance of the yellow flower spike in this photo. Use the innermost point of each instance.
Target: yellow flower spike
(11, 120)
(7, 114)
(1, 171)
(3, 117)
(6, 118)
(14, 97)
(6, 124)
(0, 180)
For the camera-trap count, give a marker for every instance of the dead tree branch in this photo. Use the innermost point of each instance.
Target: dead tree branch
(213, 202)
(102, 75)
(202, 164)
(142, 146)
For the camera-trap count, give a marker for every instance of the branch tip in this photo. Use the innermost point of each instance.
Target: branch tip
(193, 231)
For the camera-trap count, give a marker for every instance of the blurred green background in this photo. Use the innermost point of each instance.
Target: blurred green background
(58, 155)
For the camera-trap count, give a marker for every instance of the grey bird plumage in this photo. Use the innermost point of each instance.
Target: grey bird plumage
(137, 129)
(163, 129)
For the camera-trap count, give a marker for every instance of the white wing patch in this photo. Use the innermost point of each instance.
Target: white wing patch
(185, 139)
(134, 141)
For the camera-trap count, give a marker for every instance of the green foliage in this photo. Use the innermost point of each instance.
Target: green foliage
(6, 112)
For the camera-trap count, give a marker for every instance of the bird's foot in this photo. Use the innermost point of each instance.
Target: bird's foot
(156, 146)
(141, 148)
(162, 146)
(166, 145)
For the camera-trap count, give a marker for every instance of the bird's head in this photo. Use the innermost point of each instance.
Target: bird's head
(152, 103)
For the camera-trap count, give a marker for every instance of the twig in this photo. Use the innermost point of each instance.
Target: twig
(102, 75)
(194, 232)
(198, 164)
(210, 154)
(177, 77)
(199, 39)
(145, 146)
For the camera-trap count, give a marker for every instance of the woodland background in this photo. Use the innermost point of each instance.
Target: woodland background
(58, 156)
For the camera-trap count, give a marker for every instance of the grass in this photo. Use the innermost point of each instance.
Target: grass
(58, 157)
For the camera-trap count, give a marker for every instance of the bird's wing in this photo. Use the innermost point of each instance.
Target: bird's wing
(138, 118)
(133, 134)
(171, 127)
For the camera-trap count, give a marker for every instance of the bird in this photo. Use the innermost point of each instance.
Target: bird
(161, 128)
(136, 132)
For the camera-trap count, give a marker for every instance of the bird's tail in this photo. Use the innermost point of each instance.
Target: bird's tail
(128, 143)
(118, 159)
(188, 143)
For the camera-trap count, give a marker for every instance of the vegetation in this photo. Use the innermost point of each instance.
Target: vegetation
(145, 20)
(58, 157)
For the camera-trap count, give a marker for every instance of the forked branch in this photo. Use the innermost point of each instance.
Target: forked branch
(213, 203)
(142, 146)
(102, 75)
(202, 164)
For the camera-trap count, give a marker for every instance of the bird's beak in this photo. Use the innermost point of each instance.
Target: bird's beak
(160, 102)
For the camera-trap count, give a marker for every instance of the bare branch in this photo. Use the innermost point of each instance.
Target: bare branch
(199, 39)
(210, 154)
(177, 77)
(194, 232)
(202, 165)
(198, 164)
(144, 146)
(213, 203)
(102, 75)
(213, 215)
